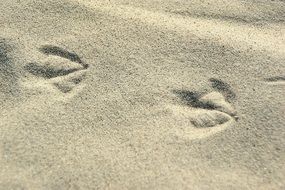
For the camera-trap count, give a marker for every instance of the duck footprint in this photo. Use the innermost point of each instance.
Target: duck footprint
(207, 110)
(63, 69)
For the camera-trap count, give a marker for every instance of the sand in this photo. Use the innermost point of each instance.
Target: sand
(133, 94)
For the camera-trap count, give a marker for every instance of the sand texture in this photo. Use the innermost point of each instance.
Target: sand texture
(142, 94)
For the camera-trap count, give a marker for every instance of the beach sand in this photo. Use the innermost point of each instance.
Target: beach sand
(133, 94)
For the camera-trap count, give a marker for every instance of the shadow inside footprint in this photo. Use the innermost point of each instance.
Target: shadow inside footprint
(212, 109)
(63, 69)
(192, 99)
(6, 65)
(275, 79)
(57, 51)
(9, 72)
(47, 72)
(4, 48)
(224, 88)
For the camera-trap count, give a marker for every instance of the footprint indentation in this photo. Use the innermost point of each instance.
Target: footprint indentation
(4, 49)
(60, 52)
(275, 80)
(217, 101)
(211, 109)
(192, 99)
(67, 83)
(205, 119)
(223, 87)
(48, 70)
(64, 69)
(6, 63)
(9, 72)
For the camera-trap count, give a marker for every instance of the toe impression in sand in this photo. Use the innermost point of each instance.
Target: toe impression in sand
(64, 69)
(211, 109)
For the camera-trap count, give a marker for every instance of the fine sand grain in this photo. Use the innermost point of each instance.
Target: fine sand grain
(133, 94)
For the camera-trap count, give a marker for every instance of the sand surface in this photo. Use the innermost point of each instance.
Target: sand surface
(142, 94)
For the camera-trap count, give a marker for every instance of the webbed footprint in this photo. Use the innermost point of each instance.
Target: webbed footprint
(206, 113)
(52, 67)
(207, 110)
(61, 68)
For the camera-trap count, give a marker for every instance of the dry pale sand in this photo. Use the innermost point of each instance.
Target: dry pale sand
(142, 94)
